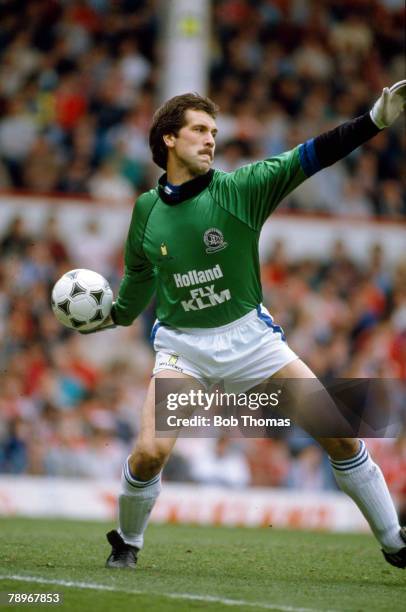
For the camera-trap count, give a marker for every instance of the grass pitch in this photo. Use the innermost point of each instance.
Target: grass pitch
(199, 568)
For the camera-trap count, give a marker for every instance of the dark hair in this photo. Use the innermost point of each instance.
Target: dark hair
(170, 118)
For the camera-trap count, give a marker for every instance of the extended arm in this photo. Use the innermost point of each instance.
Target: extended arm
(256, 189)
(326, 149)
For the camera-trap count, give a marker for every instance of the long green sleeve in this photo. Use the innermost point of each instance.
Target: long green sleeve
(252, 192)
(139, 282)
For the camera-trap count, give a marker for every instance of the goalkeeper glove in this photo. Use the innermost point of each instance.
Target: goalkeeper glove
(108, 323)
(389, 106)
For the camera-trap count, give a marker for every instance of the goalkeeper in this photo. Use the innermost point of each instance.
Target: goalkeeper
(193, 240)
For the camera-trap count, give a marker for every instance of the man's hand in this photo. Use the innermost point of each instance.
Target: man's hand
(389, 106)
(108, 323)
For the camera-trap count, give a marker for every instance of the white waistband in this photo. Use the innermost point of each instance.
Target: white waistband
(209, 331)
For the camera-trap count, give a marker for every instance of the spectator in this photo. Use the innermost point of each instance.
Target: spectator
(16, 239)
(18, 132)
(108, 185)
(221, 463)
(307, 472)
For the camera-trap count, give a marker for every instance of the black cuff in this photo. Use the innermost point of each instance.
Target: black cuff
(339, 142)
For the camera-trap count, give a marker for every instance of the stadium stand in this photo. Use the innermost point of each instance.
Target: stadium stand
(77, 89)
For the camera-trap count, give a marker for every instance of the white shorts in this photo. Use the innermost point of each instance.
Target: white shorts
(246, 351)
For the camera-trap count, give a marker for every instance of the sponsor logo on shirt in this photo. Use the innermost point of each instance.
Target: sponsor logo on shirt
(205, 297)
(197, 277)
(214, 240)
(202, 297)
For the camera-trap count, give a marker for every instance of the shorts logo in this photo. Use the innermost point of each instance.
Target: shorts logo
(214, 240)
(170, 362)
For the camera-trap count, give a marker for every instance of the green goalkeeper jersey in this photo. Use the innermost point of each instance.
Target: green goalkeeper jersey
(200, 254)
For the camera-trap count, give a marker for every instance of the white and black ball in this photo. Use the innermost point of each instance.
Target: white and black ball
(81, 299)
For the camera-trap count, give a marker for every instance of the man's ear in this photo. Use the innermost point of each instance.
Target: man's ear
(169, 140)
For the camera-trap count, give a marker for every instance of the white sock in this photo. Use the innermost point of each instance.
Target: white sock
(363, 481)
(135, 505)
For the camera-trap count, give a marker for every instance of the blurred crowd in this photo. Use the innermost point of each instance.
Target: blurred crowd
(79, 80)
(70, 404)
(78, 84)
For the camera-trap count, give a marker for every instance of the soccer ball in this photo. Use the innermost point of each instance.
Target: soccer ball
(81, 299)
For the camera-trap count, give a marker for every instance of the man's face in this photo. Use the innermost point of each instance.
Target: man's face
(193, 148)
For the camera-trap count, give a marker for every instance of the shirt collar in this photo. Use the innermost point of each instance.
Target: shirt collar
(173, 194)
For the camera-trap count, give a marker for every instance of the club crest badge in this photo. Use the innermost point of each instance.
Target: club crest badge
(214, 240)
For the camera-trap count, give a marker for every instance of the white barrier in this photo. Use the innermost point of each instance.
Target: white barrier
(302, 235)
(36, 496)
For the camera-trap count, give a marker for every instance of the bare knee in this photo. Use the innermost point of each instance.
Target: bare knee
(340, 448)
(147, 460)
